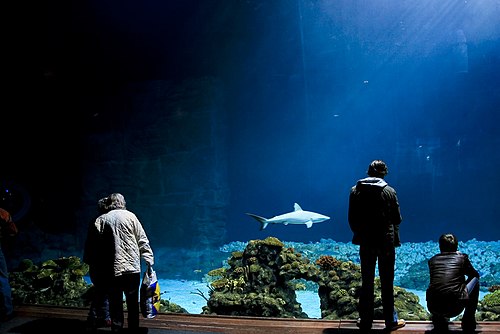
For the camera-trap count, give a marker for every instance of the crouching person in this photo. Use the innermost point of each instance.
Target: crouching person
(450, 292)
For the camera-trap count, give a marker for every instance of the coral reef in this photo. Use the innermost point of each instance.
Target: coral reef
(488, 308)
(411, 271)
(416, 277)
(339, 287)
(167, 306)
(53, 282)
(59, 282)
(262, 280)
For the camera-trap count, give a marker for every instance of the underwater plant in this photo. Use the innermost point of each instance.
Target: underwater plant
(488, 308)
(53, 282)
(59, 282)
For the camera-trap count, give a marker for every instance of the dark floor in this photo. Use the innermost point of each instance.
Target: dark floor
(27, 325)
(48, 319)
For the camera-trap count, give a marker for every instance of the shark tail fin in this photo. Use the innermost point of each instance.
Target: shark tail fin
(263, 221)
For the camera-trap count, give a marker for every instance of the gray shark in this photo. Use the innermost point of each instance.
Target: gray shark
(297, 216)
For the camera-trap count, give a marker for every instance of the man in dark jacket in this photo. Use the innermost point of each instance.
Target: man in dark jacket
(449, 293)
(374, 217)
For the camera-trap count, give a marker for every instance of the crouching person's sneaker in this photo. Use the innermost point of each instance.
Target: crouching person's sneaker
(395, 325)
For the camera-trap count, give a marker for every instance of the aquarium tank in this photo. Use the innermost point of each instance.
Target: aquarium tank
(206, 114)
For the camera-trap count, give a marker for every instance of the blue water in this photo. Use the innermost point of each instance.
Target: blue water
(335, 87)
(201, 111)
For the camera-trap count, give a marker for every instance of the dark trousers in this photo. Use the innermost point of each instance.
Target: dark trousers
(442, 309)
(99, 305)
(386, 258)
(472, 287)
(127, 284)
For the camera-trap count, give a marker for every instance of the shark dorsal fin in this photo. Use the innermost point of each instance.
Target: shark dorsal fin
(297, 207)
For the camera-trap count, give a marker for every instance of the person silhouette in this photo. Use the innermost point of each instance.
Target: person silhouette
(374, 217)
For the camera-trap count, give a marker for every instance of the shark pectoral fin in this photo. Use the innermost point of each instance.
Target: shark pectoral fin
(285, 223)
(309, 223)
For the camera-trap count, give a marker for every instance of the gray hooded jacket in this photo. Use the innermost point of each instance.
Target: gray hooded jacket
(374, 215)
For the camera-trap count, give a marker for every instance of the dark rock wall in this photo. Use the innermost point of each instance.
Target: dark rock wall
(164, 149)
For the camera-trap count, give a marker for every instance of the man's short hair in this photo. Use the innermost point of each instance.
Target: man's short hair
(448, 242)
(377, 168)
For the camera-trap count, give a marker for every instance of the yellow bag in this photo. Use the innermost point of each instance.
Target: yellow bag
(150, 294)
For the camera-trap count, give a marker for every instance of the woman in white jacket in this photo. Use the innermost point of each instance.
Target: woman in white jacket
(131, 245)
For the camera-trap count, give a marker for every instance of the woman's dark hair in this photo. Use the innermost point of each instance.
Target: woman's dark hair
(103, 205)
(448, 243)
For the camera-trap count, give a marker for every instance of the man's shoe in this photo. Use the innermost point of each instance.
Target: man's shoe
(363, 325)
(469, 327)
(395, 325)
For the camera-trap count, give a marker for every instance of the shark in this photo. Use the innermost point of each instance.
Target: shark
(295, 217)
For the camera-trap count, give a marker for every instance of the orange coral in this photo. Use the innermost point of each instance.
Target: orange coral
(327, 262)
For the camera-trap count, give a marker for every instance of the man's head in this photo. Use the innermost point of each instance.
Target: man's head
(117, 201)
(448, 243)
(377, 168)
